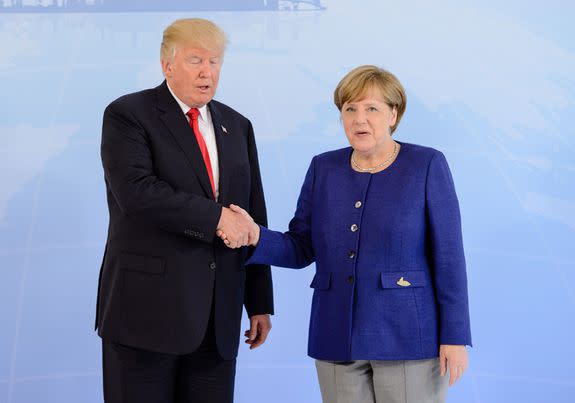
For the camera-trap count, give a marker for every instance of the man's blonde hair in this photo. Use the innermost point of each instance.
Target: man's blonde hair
(194, 32)
(358, 82)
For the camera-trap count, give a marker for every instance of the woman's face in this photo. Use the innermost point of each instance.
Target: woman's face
(367, 121)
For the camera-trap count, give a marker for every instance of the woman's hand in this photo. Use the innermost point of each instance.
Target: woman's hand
(254, 234)
(454, 357)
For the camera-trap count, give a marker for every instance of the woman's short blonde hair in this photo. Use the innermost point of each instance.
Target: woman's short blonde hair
(358, 82)
(193, 32)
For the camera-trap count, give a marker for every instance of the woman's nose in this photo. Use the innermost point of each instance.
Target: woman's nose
(360, 117)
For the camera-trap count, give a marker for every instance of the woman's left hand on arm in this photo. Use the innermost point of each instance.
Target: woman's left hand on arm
(453, 357)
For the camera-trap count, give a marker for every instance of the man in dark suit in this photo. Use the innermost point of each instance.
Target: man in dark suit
(170, 292)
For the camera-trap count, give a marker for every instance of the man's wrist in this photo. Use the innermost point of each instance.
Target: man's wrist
(223, 216)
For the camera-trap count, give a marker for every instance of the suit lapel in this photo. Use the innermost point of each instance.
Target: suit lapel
(224, 150)
(173, 118)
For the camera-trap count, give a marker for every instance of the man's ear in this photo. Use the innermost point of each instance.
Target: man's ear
(166, 68)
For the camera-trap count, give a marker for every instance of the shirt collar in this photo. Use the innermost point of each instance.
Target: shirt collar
(185, 108)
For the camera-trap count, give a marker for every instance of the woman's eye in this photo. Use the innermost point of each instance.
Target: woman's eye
(372, 109)
(349, 109)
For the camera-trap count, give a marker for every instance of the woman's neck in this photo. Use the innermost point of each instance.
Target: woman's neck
(375, 161)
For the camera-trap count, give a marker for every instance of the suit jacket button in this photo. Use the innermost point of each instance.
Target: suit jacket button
(354, 228)
(213, 265)
(351, 254)
(357, 204)
(350, 279)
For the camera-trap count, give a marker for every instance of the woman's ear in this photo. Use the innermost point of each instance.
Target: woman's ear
(393, 116)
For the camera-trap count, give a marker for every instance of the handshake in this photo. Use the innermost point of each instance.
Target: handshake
(237, 228)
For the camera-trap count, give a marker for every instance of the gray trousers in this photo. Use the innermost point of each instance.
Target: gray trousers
(411, 381)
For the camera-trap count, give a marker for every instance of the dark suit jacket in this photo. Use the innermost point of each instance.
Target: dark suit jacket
(163, 264)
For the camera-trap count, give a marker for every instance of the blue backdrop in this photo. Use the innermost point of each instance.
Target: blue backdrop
(491, 85)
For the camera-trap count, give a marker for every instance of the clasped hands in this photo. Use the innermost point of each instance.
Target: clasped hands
(236, 227)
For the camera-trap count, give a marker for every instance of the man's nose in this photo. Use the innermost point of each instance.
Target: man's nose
(205, 70)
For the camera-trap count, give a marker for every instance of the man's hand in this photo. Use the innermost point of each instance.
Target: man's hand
(260, 326)
(454, 357)
(253, 235)
(234, 228)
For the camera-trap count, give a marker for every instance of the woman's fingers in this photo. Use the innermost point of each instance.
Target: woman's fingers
(223, 237)
(453, 373)
(454, 358)
(442, 363)
(238, 209)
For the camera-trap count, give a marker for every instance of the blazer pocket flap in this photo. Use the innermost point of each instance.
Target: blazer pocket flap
(404, 279)
(321, 281)
(142, 264)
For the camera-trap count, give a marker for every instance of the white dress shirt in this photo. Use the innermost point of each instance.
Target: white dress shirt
(209, 135)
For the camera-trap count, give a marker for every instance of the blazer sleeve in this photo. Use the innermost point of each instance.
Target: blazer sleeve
(294, 248)
(448, 259)
(258, 297)
(129, 172)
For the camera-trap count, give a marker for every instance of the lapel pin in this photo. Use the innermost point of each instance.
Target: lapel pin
(403, 283)
(224, 129)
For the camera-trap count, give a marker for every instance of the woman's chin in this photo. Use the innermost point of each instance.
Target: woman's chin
(362, 147)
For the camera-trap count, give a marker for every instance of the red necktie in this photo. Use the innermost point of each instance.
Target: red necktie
(193, 115)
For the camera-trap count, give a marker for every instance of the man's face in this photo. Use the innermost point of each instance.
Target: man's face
(193, 74)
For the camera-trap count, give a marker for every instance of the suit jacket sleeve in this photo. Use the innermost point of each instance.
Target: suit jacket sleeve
(448, 259)
(129, 171)
(258, 298)
(293, 248)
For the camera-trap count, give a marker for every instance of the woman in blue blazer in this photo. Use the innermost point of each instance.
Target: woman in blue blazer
(381, 221)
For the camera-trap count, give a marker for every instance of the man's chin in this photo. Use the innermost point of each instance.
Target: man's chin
(202, 100)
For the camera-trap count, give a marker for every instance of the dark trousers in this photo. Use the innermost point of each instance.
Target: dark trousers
(133, 375)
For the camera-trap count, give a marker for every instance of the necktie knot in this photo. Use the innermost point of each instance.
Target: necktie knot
(193, 113)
